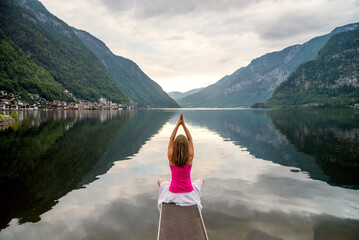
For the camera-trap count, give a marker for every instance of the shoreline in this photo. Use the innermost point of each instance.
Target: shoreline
(7, 121)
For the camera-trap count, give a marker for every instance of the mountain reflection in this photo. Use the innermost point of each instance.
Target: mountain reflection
(323, 144)
(331, 137)
(48, 154)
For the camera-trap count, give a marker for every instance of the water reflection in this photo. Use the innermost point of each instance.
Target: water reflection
(254, 131)
(278, 207)
(128, 140)
(244, 197)
(331, 137)
(48, 154)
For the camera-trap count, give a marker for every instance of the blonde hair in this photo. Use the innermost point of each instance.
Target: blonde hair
(180, 153)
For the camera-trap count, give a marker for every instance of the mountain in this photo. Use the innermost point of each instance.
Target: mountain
(50, 43)
(178, 95)
(257, 81)
(128, 76)
(331, 80)
(20, 74)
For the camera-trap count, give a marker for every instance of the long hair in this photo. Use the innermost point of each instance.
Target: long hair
(180, 151)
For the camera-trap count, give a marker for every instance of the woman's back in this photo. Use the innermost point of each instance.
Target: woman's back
(181, 179)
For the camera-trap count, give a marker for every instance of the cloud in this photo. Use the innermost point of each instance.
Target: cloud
(156, 8)
(183, 44)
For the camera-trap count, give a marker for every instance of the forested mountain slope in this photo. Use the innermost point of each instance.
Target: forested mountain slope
(20, 74)
(51, 44)
(331, 80)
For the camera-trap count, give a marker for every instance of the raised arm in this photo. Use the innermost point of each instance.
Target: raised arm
(190, 141)
(172, 138)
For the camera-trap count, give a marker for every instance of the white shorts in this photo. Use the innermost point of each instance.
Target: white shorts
(181, 199)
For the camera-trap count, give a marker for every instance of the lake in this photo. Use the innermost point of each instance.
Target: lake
(269, 174)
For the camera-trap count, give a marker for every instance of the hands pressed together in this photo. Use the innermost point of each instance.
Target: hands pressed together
(181, 120)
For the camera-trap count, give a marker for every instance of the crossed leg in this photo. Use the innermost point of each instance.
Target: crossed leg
(160, 181)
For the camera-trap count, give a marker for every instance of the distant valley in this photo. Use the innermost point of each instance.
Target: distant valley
(257, 81)
(179, 95)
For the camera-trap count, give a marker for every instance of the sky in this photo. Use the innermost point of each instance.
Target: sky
(187, 44)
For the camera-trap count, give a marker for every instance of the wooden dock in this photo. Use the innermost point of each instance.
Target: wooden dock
(180, 223)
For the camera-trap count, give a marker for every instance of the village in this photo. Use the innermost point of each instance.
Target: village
(14, 101)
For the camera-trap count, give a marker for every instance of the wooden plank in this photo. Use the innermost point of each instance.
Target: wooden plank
(180, 223)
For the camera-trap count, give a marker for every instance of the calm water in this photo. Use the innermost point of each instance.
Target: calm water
(269, 174)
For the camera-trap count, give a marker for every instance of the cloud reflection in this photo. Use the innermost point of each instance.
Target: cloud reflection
(244, 197)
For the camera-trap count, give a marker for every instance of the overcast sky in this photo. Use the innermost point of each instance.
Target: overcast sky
(186, 44)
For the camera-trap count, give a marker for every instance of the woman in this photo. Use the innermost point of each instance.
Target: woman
(180, 190)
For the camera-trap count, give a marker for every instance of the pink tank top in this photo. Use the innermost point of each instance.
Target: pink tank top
(181, 179)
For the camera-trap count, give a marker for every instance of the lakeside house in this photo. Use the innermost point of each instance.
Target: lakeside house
(11, 101)
(3, 106)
